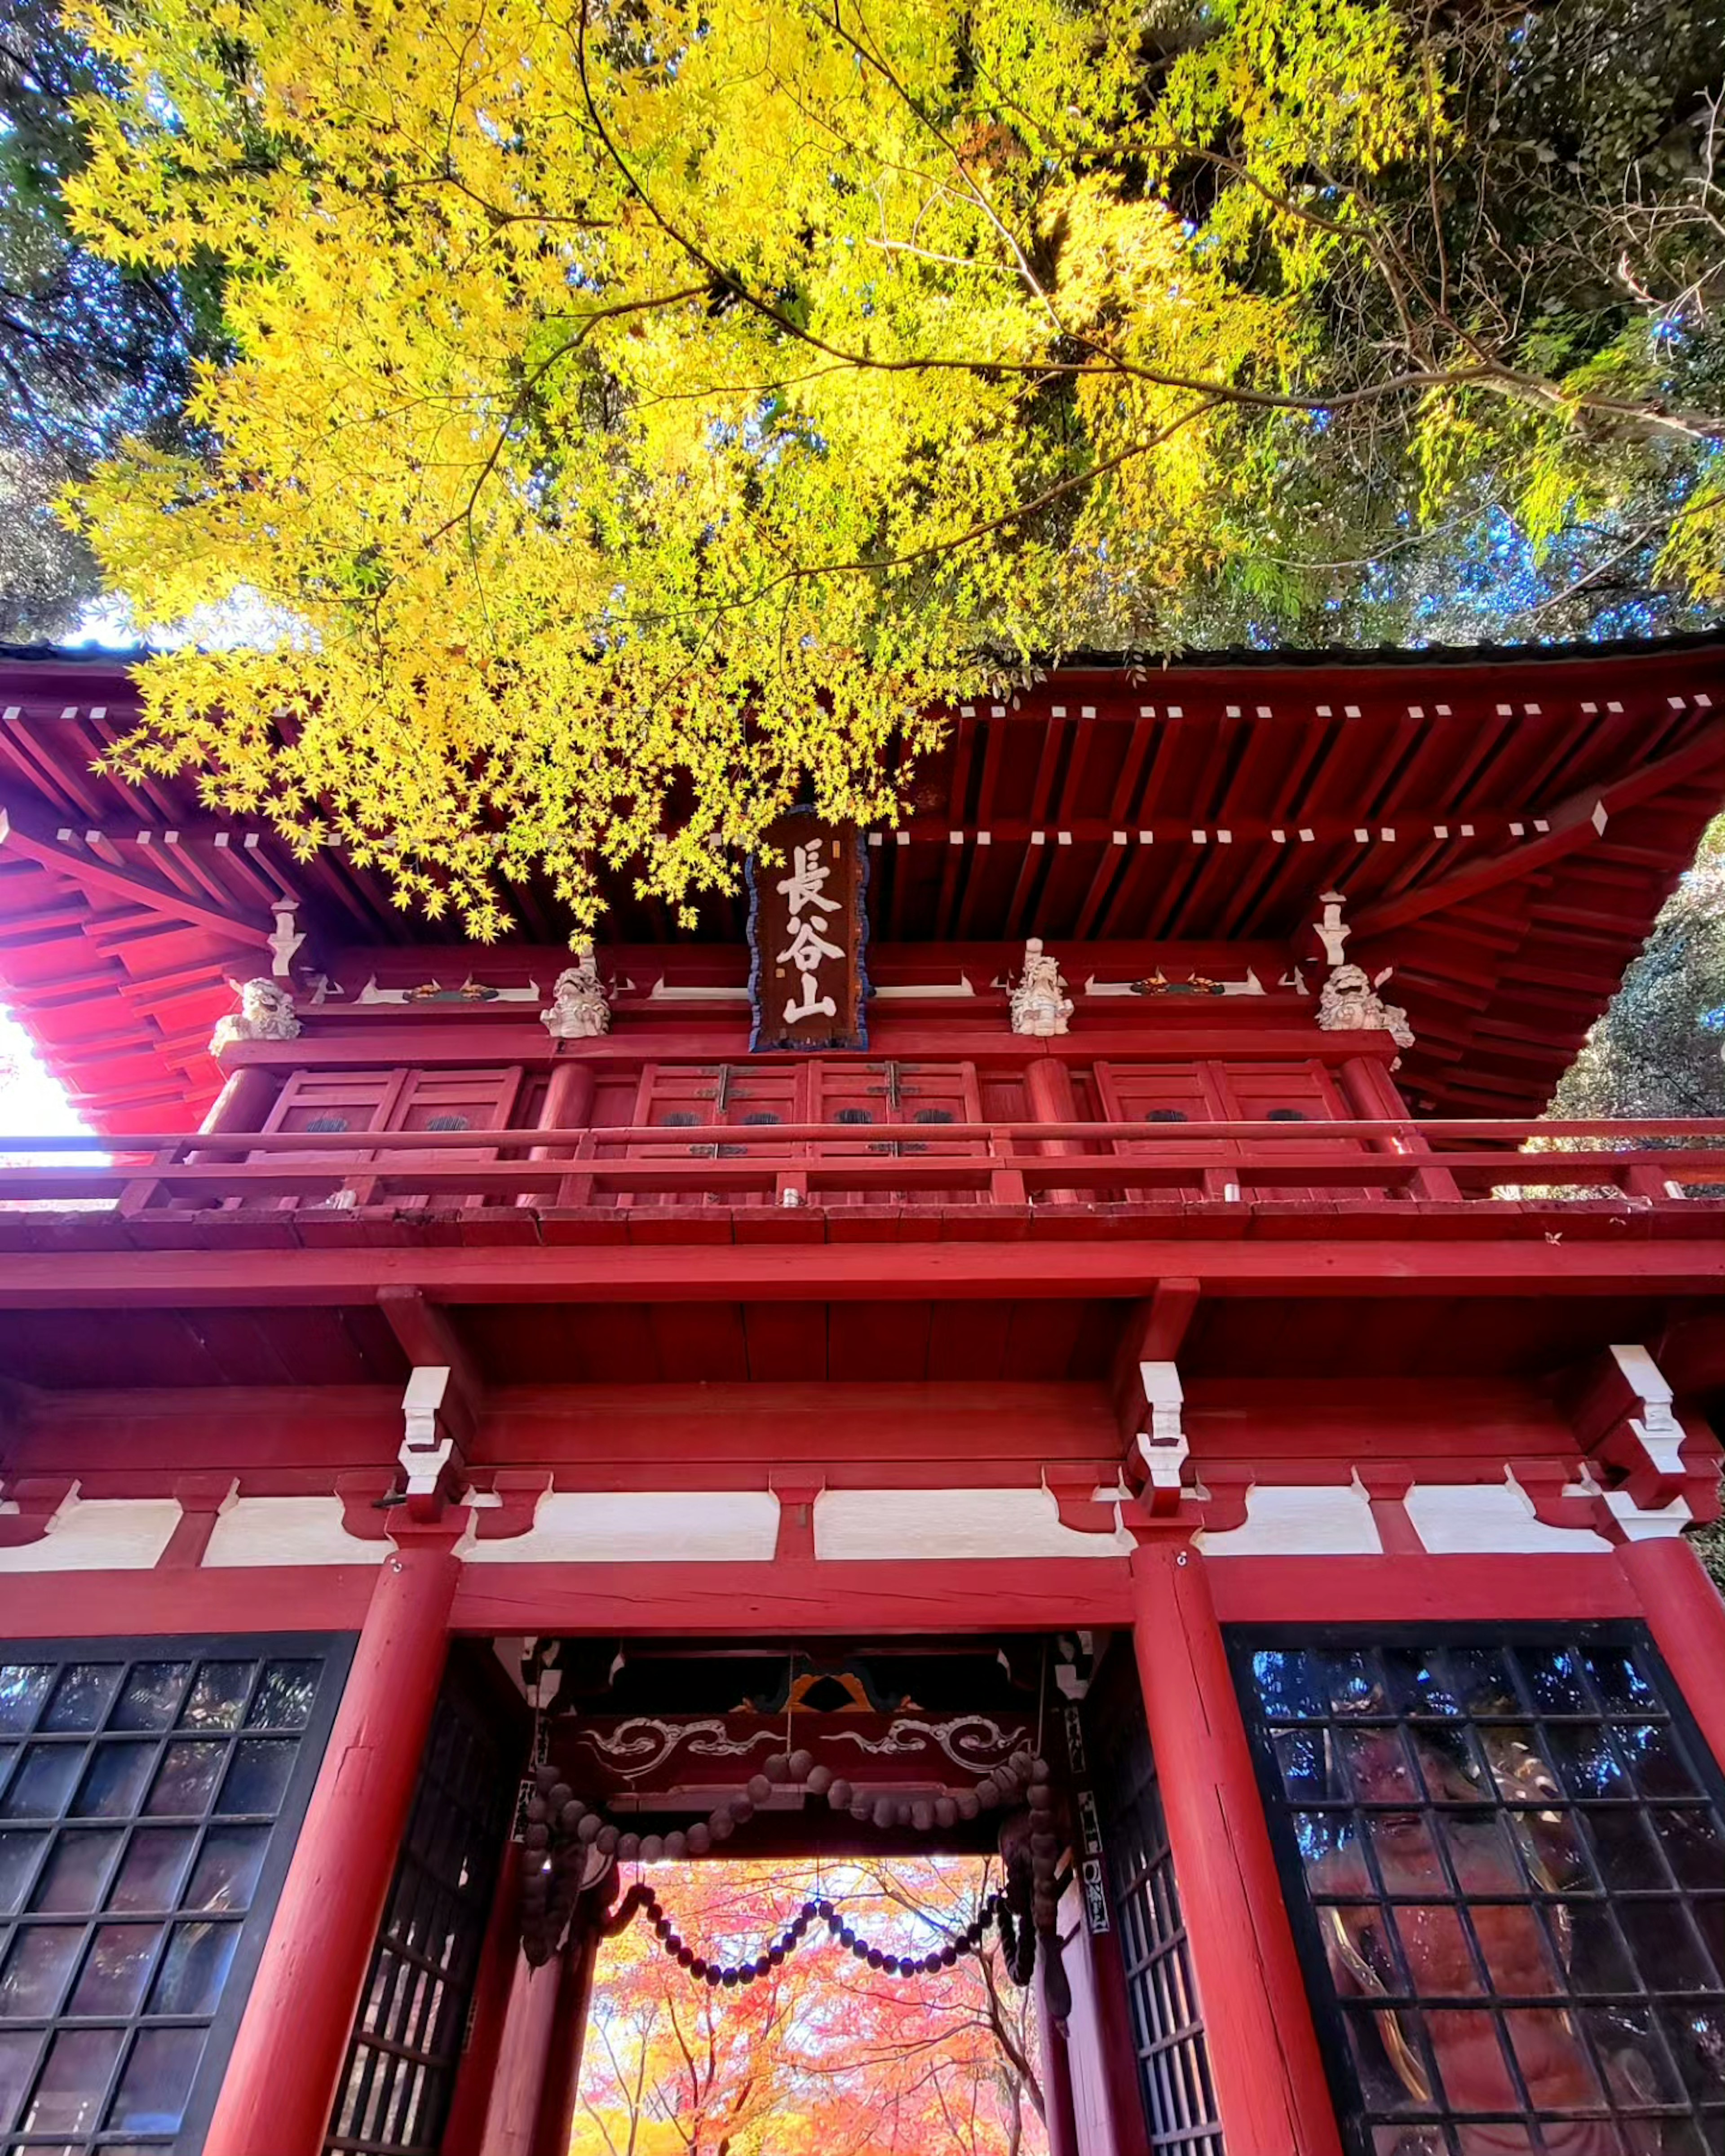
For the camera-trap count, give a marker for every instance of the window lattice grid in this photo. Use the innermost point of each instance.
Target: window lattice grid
(401, 2067)
(1167, 2022)
(141, 1790)
(1506, 1854)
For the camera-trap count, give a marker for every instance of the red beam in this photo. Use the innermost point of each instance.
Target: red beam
(1237, 1261)
(85, 868)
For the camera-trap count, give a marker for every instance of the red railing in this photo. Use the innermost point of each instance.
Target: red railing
(823, 1163)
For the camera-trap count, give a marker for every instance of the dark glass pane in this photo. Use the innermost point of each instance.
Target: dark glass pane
(1554, 2064)
(1582, 1754)
(1696, 2036)
(1378, 1768)
(1482, 1681)
(1361, 1946)
(18, 1854)
(76, 1871)
(285, 1697)
(1388, 2057)
(1469, 2059)
(226, 1874)
(1555, 1681)
(1516, 1951)
(1408, 1860)
(1417, 1685)
(17, 2057)
(1625, 1847)
(1303, 1755)
(1519, 1767)
(155, 1864)
(1403, 2140)
(68, 2096)
(187, 1777)
(1591, 1947)
(1631, 2054)
(195, 1968)
(116, 1781)
(117, 1969)
(1450, 1765)
(83, 1695)
(1666, 1951)
(1554, 1851)
(157, 2079)
(43, 1786)
(23, 1686)
(1348, 1686)
(257, 1779)
(1617, 1679)
(217, 1699)
(1331, 1849)
(1653, 1755)
(1694, 1847)
(151, 1696)
(1435, 1948)
(37, 1970)
(1479, 1849)
(1286, 1686)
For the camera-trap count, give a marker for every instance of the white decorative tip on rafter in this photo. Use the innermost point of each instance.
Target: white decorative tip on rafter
(1598, 819)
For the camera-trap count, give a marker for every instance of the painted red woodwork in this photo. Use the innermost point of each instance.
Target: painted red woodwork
(488, 2013)
(1687, 1620)
(562, 2081)
(1058, 2117)
(292, 2042)
(1208, 803)
(1218, 1253)
(252, 1599)
(1440, 1591)
(789, 1599)
(513, 2113)
(1270, 2088)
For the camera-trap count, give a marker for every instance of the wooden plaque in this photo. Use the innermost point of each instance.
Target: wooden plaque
(808, 937)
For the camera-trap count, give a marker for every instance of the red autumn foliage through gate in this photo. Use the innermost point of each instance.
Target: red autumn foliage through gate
(822, 2053)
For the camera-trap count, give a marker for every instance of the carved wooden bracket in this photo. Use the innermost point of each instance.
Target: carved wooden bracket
(39, 1499)
(1634, 1441)
(518, 1492)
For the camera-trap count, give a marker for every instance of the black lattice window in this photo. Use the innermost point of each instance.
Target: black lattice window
(1168, 2023)
(401, 2064)
(1506, 1858)
(150, 1794)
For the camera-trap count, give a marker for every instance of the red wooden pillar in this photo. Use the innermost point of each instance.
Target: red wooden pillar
(1049, 1084)
(1059, 2115)
(562, 2065)
(287, 2059)
(1268, 2077)
(1687, 1621)
(512, 2116)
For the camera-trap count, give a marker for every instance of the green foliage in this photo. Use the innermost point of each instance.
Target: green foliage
(1660, 1049)
(648, 412)
(88, 353)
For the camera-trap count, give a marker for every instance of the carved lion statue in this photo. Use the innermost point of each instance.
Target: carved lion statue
(265, 1013)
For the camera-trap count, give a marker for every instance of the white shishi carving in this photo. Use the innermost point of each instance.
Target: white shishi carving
(580, 1002)
(265, 1013)
(1350, 1004)
(1040, 1004)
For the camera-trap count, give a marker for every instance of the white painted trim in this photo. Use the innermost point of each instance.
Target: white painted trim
(641, 1527)
(1283, 1520)
(287, 1531)
(1455, 1519)
(878, 1524)
(1639, 1526)
(99, 1534)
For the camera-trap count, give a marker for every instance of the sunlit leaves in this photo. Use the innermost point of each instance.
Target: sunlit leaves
(650, 411)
